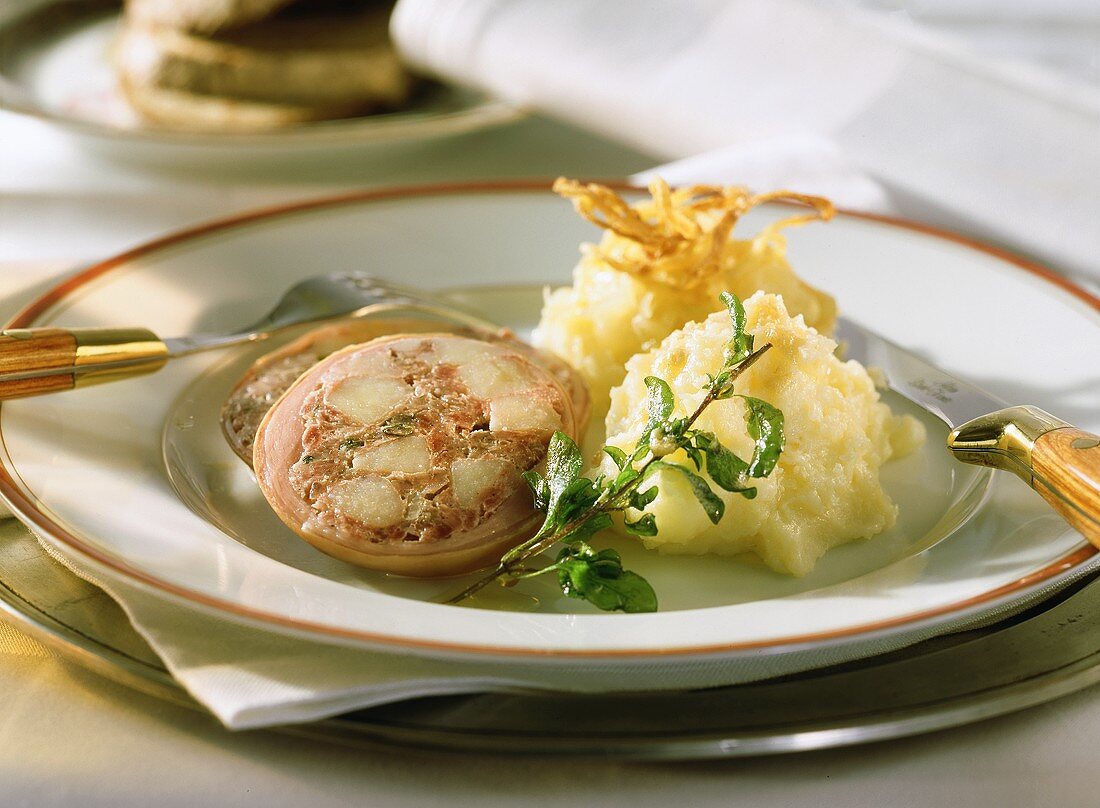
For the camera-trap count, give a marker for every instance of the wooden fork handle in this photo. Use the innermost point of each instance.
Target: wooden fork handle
(1057, 459)
(34, 361)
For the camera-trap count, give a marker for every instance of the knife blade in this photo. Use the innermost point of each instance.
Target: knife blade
(952, 400)
(1058, 460)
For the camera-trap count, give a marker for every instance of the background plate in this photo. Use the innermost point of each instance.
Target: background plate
(53, 65)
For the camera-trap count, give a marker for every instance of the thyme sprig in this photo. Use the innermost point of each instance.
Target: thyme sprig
(577, 508)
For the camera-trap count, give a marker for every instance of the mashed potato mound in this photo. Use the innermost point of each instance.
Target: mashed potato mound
(660, 264)
(825, 490)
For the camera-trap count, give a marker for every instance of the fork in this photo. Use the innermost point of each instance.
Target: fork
(34, 361)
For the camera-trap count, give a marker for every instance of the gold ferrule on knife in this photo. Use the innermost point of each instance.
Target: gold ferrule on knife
(104, 354)
(1004, 439)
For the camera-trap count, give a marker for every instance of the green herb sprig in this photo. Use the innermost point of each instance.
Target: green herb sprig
(577, 508)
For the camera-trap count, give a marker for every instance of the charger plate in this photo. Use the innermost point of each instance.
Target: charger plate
(134, 479)
(1036, 656)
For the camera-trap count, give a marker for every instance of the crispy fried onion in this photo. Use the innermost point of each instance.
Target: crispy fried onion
(677, 238)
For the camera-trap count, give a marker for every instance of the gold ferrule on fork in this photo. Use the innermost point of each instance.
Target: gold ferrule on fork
(106, 354)
(43, 360)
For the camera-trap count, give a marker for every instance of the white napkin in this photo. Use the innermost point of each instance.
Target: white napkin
(252, 677)
(1005, 151)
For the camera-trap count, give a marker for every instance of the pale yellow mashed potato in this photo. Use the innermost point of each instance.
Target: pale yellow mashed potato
(825, 490)
(609, 314)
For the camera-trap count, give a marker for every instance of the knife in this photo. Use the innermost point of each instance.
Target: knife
(1058, 460)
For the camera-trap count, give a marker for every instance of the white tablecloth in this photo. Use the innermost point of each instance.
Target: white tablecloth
(68, 737)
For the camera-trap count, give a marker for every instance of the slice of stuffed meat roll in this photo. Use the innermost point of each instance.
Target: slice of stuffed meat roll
(272, 374)
(405, 454)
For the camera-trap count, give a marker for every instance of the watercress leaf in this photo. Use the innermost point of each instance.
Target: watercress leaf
(639, 499)
(581, 550)
(580, 493)
(590, 527)
(600, 579)
(726, 469)
(718, 386)
(627, 475)
(659, 405)
(563, 468)
(540, 490)
(724, 390)
(712, 504)
(618, 455)
(646, 525)
(740, 345)
(578, 497)
(660, 401)
(634, 593)
(563, 458)
(765, 424)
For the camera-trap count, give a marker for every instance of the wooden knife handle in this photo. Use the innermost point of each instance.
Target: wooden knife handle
(1057, 459)
(34, 361)
(1066, 465)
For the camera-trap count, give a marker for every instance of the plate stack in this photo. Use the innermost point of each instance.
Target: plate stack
(977, 602)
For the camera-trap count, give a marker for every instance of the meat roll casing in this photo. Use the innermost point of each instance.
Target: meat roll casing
(405, 454)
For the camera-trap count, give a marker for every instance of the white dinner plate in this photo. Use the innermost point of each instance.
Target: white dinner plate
(135, 478)
(54, 66)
